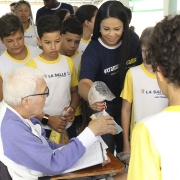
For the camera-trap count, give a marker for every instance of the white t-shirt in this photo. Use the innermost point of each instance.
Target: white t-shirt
(82, 46)
(142, 90)
(30, 36)
(60, 76)
(8, 63)
(155, 147)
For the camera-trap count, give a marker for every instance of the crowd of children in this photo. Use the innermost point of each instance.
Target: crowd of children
(95, 44)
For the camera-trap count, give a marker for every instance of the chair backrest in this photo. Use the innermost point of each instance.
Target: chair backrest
(4, 174)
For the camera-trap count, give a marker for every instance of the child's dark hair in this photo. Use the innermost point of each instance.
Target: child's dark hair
(115, 9)
(164, 48)
(72, 25)
(86, 12)
(144, 40)
(13, 4)
(61, 13)
(10, 24)
(48, 24)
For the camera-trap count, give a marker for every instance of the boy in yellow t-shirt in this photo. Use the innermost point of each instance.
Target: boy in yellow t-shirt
(71, 32)
(155, 143)
(141, 94)
(60, 76)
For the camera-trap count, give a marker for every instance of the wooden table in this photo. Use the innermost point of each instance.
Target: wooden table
(113, 167)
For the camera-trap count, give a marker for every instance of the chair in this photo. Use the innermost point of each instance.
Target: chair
(4, 172)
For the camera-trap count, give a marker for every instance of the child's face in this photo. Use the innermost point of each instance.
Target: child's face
(111, 31)
(70, 43)
(23, 12)
(144, 53)
(50, 43)
(14, 43)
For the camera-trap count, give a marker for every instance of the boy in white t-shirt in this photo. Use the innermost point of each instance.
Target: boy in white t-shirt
(141, 94)
(155, 143)
(60, 76)
(71, 32)
(17, 54)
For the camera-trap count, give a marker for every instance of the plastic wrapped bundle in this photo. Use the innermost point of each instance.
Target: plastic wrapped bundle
(98, 93)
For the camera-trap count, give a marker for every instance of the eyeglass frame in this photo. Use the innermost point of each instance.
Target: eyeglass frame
(41, 94)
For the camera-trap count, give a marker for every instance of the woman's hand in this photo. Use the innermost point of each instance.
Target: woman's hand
(98, 106)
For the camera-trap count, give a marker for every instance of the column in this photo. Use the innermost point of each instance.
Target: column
(125, 2)
(170, 7)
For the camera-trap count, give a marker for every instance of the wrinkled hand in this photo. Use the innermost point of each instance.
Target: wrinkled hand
(106, 162)
(69, 115)
(98, 106)
(102, 125)
(57, 123)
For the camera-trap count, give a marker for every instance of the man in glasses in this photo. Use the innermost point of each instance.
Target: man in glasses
(24, 148)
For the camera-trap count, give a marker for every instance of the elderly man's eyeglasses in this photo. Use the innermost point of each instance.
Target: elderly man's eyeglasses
(46, 92)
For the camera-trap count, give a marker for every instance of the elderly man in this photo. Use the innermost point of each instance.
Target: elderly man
(25, 150)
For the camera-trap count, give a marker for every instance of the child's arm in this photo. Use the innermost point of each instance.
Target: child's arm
(55, 122)
(70, 115)
(1, 94)
(127, 99)
(125, 122)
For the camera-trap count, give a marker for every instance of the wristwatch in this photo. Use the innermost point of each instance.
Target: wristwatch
(45, 119)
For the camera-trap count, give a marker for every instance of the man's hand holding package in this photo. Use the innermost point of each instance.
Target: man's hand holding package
(102, 125)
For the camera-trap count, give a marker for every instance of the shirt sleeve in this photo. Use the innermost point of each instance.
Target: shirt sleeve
(127, 92)
(90, 63)
(32, 63)
(74, 79)
(26, 149)
(145, 159)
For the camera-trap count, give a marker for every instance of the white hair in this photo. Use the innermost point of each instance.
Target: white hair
(19, 83)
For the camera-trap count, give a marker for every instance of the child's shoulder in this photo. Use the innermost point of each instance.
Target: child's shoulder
(136, 68)
(33, 49)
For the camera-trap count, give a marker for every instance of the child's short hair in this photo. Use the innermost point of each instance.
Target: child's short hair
(72, 25)
(10, 24)
(48, 24)
(86, 12)
(61, 13)
(145, 38)
(13, 4)
(164, 48)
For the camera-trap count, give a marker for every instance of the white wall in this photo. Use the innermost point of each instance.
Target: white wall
(140, 19)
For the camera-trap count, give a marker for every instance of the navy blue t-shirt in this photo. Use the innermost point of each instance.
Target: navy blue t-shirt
(44, 11)
(100, 63)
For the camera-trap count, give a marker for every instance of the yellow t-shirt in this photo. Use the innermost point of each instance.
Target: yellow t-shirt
(155, 147)
(142, 91)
